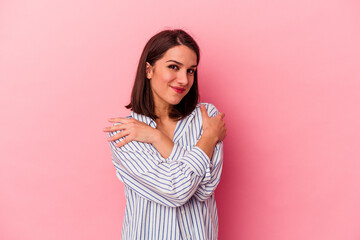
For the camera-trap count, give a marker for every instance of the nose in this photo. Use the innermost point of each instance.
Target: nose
(183, 78)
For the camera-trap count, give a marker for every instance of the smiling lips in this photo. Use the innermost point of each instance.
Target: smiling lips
(178, 89)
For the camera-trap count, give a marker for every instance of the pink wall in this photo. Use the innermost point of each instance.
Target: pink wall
(286, 73)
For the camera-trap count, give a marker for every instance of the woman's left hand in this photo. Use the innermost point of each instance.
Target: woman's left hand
(132, 130)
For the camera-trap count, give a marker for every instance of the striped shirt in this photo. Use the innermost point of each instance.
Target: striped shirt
(170, 198)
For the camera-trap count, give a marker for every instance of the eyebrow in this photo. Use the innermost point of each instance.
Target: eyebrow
(180, 63)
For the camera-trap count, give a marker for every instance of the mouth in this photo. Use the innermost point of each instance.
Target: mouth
(178, 89)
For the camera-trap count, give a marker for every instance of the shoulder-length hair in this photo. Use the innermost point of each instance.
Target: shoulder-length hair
(142, 100)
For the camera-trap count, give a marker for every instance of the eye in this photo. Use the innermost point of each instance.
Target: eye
(191, 71)
(174, 67)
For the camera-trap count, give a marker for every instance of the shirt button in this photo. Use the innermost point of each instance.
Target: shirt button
(188, 237)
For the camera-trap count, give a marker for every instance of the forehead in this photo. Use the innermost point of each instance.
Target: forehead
(181, 54)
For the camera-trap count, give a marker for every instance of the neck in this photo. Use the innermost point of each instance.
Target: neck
(163, 113)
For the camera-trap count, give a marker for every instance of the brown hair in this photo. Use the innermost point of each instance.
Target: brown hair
(141, 97)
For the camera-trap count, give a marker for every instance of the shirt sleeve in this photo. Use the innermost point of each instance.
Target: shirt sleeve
(207, 186)
(170, 182)
(209, 183)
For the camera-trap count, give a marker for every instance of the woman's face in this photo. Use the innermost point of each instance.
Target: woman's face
(172, 76)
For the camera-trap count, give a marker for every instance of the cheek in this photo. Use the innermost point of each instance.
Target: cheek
(163, 77)
(168, 77)
(191, 81)
(161, 80)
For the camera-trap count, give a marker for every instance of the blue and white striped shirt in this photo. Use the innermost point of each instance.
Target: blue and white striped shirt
(170, 198)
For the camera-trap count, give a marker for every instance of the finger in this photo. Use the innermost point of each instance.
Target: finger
(118, 136)
(115, 128)
(203, 111)
(222, 115)
(119, 119)
(124, 141)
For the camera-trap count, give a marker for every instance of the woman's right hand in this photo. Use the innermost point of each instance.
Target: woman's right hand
(213, 126)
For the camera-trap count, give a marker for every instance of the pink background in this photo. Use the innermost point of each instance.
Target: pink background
(285, 72)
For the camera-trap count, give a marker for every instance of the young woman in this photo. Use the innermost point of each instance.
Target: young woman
(169, 152)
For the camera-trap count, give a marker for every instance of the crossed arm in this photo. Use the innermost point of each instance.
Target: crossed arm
(168, 174)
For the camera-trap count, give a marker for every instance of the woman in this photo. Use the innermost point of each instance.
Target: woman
(169, 152)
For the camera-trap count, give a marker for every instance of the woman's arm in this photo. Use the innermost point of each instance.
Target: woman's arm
(170, 183)
(214, 130)
(207, 141)
(207, 187)
(200, 185)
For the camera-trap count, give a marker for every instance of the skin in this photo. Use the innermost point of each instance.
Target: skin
(174, 70)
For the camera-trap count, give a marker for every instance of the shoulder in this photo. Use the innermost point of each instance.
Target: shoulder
(211, 109)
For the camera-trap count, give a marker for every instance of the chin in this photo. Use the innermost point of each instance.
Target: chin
(175, 101)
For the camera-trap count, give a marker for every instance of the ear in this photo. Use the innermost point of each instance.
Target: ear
(149, 70)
